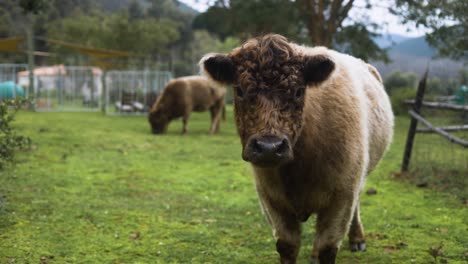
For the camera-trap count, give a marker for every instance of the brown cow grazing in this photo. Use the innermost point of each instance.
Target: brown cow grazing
(313, 123)
(183, 95)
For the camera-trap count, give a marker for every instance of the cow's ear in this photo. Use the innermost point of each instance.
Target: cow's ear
(218, 67)
(317, 69)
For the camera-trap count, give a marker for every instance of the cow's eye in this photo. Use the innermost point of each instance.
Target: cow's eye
(239, 92)
(299, 93)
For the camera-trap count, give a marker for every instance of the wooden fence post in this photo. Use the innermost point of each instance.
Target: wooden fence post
(104, 91)
(414, 122)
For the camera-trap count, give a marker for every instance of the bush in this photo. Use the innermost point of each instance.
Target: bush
(434, 86)
(9, 140)
(398, 97)
(400, 80)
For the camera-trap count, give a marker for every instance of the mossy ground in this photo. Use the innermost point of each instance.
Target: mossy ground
(100, 189)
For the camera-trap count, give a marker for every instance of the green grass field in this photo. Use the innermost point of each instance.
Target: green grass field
(101, 189)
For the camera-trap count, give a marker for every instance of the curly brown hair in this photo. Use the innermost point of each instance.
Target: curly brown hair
(267, 62)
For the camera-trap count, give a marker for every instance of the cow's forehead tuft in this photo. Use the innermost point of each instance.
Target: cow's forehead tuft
(266, 62)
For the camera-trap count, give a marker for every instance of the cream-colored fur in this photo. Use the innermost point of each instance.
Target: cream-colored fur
(348, 124)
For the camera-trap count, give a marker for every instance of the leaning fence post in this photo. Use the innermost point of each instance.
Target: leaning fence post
(414, 122)
(104, 92)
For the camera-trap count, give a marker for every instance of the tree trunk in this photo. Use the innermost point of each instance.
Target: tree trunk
(321, 28)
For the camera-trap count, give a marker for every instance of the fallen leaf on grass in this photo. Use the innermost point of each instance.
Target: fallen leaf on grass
(422, 185)
(123, 152)
(45, 259)
(436, 251)
(443, 231)
(135, 235)
(390, 249)
(376, 236)
(371, 191)
(464, 201)
(401, 244)
(195, 221)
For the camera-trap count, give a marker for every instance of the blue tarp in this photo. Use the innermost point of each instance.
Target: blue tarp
(9, 90)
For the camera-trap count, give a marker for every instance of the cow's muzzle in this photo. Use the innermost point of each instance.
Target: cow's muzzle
(267, 151)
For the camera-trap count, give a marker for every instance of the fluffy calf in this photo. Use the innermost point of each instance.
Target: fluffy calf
(313, 123)
(182, 96)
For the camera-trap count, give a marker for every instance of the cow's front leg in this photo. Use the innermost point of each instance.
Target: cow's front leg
(332, 225)
(286, 231)
(185, 118)
(215, 118)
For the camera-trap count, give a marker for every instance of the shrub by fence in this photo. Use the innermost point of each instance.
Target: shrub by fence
(10, 141)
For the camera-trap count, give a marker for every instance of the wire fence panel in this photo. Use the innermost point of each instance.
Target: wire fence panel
(133, 92)
(9, 85)
(65, 88)
(435, 160)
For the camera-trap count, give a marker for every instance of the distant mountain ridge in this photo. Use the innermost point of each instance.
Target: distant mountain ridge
(414, 55)
(399, 44)
(388, 40)
(414, 46)
(115, 5)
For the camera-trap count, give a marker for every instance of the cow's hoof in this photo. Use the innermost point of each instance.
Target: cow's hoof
(328, 255)
(357, 246)
(314, 260)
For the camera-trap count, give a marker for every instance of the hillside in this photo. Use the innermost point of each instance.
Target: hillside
(415, 47)
(114, 5)
(388, 40)
(414, 54)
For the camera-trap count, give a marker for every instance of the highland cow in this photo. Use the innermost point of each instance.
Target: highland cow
(184, 95)
(313, 123)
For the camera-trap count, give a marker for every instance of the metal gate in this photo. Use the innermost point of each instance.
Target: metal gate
(133, 92)
(65, 88)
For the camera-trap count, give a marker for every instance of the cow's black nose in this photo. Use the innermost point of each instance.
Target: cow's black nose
(270, 146)
(268, 150)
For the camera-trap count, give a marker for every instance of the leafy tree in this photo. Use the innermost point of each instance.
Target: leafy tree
(168, 9)
(318, 22)
(204, 42)
(32, 6)
(260, 17)
(357, 40)
(135, 11)
(215, 20)
(448, 20)
(250, 18)
(115, 31)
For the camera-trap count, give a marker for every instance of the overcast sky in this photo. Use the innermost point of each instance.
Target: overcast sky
(378, 14)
